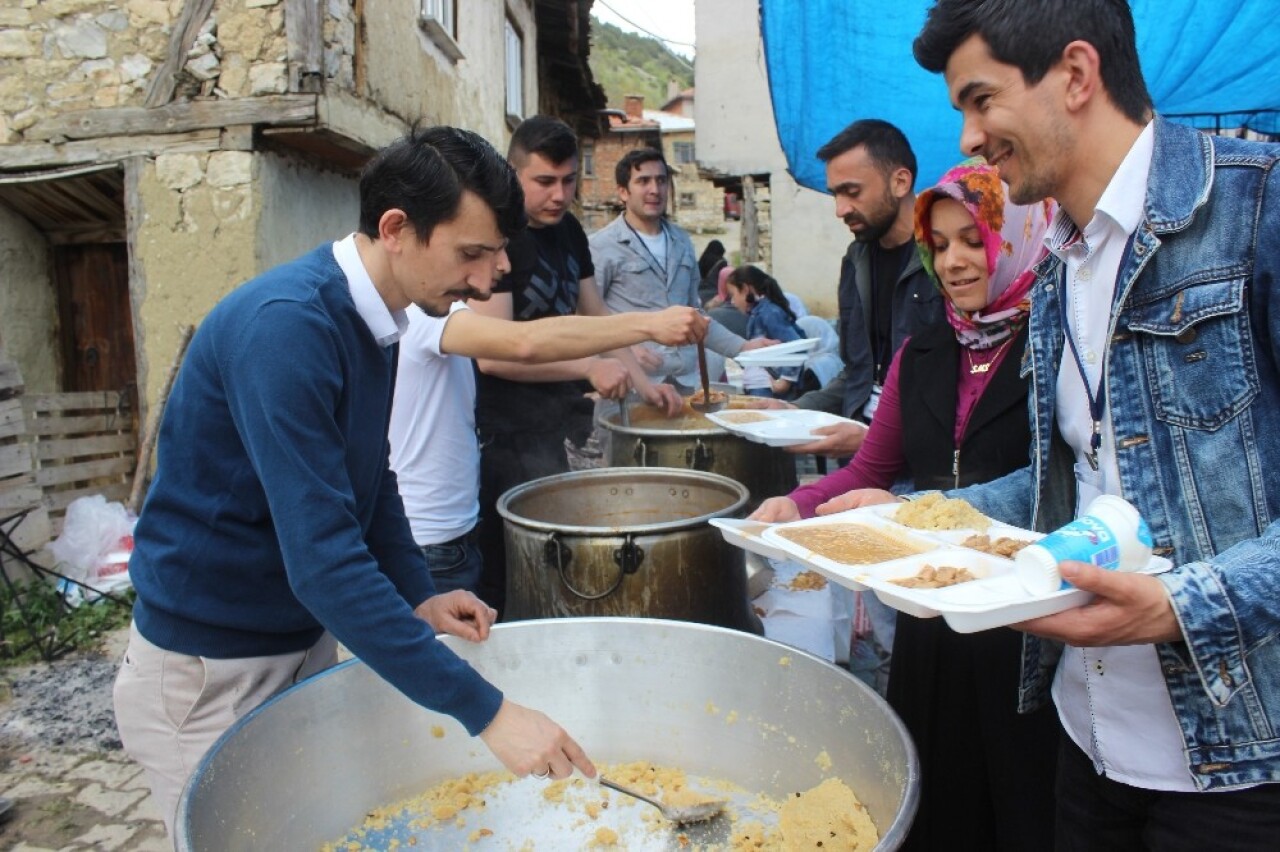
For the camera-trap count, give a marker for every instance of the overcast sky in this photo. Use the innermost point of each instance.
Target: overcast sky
(670, 20)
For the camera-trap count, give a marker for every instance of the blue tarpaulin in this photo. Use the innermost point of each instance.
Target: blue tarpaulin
(1209, 63)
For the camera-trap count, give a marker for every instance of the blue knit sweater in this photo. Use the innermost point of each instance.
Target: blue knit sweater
(274, 514)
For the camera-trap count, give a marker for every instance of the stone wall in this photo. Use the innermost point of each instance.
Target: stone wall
(195, 241)
(62, 55)
(696, 204)
(28, 312)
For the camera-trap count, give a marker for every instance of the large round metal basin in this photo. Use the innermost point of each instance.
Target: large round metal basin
(305, 768)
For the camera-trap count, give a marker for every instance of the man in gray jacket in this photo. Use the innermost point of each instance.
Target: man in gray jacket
(645, 263)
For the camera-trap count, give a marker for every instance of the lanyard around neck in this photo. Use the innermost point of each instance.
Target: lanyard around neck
(640, 241)
(1098, 401)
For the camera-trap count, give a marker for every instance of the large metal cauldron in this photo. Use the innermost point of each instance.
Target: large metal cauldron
(627, 542)
(305, 768)
(699, 444)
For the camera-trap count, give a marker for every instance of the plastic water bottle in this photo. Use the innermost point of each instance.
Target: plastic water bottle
(1110, 534)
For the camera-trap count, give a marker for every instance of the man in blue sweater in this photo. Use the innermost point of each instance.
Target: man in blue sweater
(274, 527)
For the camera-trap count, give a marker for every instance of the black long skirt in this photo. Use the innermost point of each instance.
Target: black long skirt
(987, 771)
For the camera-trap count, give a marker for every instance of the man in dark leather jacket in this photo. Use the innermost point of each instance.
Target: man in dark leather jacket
(885, 295)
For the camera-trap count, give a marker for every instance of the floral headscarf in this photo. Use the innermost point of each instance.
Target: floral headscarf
(1013, 235)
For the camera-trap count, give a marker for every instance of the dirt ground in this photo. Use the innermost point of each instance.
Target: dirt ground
(61, 761)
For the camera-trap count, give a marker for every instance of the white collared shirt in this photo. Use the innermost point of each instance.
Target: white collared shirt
(1112, 701)
(385, 325)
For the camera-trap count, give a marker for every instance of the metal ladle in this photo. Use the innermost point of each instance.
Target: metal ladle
(679, 814)
(706, 406)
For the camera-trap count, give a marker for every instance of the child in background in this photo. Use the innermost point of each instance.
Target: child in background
(757, 294)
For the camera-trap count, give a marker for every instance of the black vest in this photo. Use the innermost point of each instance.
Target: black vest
(997, 438)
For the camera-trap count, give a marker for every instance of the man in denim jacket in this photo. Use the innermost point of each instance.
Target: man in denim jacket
(1154, 360)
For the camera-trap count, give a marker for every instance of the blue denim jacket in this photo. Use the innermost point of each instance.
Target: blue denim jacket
(1193, 388)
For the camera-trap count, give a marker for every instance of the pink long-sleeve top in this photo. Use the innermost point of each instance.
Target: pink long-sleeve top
(880, 458)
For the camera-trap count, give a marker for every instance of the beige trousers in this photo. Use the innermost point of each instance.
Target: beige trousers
(170, 708)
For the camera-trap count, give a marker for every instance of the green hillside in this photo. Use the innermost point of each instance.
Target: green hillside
(630, 64)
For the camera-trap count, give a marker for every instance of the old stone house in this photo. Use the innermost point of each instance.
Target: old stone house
(156, 153)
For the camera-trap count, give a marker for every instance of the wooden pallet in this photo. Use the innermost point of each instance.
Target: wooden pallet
(23, 515)
(84, 444)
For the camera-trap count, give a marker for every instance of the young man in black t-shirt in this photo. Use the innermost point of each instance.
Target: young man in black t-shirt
(525, 412)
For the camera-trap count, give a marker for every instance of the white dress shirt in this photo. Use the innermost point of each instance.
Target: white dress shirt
(1112, 701)
(385, 325)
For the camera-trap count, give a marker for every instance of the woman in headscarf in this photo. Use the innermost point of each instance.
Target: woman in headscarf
(954, 413)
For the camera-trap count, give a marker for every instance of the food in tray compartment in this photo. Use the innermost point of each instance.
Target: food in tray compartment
(851, 543)
(741, 417)
(1002, 546)
(930, 577)
(935, 512)
(807, 581)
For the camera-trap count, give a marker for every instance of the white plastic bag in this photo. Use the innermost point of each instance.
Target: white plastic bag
(95, 543)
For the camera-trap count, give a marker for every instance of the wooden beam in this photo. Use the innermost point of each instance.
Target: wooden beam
(237, 138)
(303, 30)
(15, 459)
(109, 150)
(39, 403)
(54, 449)
(82, 234)
(271, 110)
(84, 472)
(750, 221)
(12, 420)
(160, 88)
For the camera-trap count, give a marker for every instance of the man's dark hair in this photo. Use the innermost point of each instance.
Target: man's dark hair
(886, 145)
(425, 173)
(543, 135)
(1031, 35)
(633, 160)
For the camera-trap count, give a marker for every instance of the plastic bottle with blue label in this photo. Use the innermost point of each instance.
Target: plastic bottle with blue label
(1110, 534)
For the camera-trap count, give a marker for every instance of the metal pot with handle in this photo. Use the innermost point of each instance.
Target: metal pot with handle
(625, 541)
(695, 443)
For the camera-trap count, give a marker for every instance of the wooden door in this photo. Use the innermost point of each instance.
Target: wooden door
(95, 318)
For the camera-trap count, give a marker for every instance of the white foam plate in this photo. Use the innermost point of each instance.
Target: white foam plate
(996, 599)
(746, 534)
(802, 344)
(751, 359)
(1003, 601)
(781, 427)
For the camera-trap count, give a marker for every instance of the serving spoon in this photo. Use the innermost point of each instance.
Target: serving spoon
(679, 814)
(706, 405)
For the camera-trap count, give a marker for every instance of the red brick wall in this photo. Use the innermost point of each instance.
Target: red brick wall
(598, 192)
